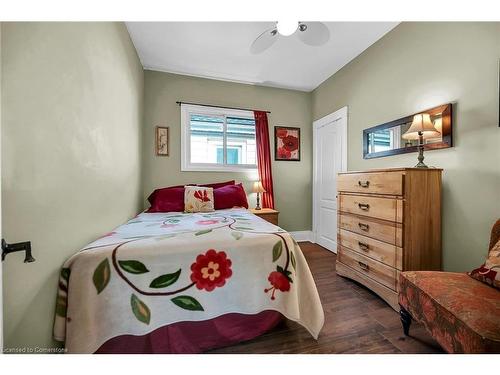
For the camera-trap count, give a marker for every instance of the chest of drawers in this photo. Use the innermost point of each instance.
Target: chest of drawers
(389, 220)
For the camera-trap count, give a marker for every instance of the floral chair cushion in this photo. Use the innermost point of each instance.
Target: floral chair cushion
(489, 272)
(462, 314)
(198, 199)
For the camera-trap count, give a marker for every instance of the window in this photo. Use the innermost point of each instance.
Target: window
(217, 139)
(383, 140)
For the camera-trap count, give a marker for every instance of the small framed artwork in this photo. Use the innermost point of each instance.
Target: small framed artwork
(286, 143)
(161, 141)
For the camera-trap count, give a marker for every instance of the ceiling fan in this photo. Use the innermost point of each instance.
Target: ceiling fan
(311, 33)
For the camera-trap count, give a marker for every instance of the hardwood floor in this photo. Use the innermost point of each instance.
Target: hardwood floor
(356, 320)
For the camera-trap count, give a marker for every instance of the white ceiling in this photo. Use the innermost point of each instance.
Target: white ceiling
(220, 50)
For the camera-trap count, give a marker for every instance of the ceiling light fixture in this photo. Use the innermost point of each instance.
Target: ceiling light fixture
(310, 33)
(287, 28)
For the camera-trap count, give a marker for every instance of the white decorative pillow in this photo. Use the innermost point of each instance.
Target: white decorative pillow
(198, 199)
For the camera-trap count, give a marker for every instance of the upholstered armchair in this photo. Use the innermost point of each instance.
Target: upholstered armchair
(461, 313)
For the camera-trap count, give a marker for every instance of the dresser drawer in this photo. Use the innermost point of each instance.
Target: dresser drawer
(390, 183)
(380, 230)
(267, 214)
(379, 272)
(381, 251)
(381, 208)
(272, 218)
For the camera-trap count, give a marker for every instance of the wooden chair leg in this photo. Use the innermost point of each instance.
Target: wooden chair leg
(405, 320)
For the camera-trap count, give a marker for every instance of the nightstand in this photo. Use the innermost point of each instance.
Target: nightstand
(267, 214)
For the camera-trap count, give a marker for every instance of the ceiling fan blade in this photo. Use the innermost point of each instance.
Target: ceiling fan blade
(264, 41)
(313, 33)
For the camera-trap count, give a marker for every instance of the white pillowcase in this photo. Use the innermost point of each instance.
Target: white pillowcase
(198, 199)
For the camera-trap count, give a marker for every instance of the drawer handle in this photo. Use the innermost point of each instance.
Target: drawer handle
(364, 266)
(364, 227)
(364, 184)
(364, 206)
(363, 246)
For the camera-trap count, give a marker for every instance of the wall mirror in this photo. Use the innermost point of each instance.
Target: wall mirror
(386, 139)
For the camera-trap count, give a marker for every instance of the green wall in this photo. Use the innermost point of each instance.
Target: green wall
(71, 149)
(417, 66)
(292, 180)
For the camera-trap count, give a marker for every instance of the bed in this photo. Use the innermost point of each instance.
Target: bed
(184, 283)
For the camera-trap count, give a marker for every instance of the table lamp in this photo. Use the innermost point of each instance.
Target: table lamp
(421, 128)
(258, 188)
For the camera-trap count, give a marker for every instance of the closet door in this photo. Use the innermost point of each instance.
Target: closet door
(330, 158)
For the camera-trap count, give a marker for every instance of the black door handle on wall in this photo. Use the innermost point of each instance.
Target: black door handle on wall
(20, 246)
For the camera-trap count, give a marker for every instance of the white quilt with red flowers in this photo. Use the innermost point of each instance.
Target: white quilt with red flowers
(163, 268)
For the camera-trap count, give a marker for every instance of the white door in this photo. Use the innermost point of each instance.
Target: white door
(330, 158)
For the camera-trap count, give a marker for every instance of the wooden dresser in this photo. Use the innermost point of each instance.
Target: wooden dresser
(389, 220)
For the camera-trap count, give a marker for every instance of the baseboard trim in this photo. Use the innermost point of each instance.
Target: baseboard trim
(302, 236)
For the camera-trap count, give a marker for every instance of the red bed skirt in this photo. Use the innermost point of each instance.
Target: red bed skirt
(195, 337)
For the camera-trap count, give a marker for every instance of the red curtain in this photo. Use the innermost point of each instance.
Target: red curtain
(264, 158)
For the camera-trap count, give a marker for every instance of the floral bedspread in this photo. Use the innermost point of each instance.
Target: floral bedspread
(162, 268)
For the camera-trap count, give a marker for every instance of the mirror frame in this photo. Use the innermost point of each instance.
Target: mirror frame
(447, 135)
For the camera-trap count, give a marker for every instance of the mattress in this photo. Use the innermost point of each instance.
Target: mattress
(163, 270)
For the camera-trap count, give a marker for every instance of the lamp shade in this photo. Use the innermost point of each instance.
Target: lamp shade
(421, 124)
(258, 188)
(438, 124)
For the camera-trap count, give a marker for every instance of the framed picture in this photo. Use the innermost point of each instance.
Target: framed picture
(286, 143)
(161, 141)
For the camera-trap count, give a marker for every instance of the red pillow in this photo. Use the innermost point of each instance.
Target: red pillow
(230, 196)
(167, 200)
(214, 185)
(152, 196)
(171, 199)
(217, 185)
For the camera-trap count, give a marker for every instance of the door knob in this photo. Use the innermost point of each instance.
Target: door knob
(20, 246)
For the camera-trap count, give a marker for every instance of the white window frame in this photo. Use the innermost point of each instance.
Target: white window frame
(186, 166)
(396, 137)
